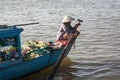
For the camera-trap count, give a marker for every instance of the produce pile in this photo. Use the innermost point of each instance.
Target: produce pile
(33, 49)
(8, 53)
(8, 49)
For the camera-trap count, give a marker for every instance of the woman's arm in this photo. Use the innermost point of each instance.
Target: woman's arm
(66, 30)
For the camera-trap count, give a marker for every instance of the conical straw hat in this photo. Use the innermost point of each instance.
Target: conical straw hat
(67, 19)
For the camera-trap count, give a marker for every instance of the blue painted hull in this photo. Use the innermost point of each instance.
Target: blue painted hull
(26, 67)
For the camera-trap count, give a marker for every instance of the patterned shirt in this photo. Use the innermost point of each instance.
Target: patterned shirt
(64, 28)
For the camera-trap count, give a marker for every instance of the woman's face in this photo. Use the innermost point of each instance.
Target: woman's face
(67, 23)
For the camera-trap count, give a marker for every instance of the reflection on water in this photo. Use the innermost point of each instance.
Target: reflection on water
(97, 54)
(42, 75)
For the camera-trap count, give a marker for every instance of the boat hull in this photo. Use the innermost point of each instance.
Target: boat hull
(24, 68)
(27, 67)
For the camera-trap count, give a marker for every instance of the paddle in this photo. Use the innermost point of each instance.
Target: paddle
(26, 24)
(52, 74)
(11, 26)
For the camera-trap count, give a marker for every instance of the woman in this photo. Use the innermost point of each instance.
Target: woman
(65, 29)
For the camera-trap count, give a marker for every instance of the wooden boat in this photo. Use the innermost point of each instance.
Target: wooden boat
(18, 68)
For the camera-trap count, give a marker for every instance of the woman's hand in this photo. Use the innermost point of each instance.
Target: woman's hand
(78, 30)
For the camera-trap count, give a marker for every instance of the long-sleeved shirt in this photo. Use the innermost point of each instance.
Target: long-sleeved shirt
(64, 28)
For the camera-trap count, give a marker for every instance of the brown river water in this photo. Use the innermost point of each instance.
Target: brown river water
(97, 53)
